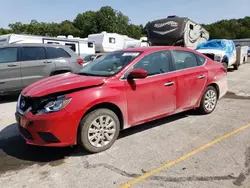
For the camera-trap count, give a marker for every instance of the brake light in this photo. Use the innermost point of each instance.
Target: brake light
(80, 61)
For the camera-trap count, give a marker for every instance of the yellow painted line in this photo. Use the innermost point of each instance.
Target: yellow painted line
(192, 153)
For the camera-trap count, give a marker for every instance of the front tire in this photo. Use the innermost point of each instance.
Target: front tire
(98, 130)
(236, 66)
(208, 101)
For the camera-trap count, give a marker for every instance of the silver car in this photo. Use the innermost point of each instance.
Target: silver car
(23, 64)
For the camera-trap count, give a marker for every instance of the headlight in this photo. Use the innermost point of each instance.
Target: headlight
(55, 105)
(217, 58)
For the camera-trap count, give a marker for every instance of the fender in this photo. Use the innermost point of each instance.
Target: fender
(90, 97)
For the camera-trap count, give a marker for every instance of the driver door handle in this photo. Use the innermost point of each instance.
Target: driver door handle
(46, 62)
(201, 76)
(169, 84)
(12, 65)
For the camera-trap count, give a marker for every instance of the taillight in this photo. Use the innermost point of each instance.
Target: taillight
(80, 61)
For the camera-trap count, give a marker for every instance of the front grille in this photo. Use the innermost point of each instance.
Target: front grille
(25, 133)
(48, 137)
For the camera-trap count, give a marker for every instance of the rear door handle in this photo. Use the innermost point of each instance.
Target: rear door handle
(46, 62)
(201, 76)
(169, 84)
(12, 65)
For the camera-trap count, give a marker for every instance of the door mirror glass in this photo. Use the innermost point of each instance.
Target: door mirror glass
(137, 73)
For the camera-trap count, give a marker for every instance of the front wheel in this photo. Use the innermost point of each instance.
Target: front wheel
(98, 130)
(236, 66)
(208, 101)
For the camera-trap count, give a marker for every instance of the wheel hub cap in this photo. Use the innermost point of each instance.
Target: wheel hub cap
(101, 131)
(210, 100)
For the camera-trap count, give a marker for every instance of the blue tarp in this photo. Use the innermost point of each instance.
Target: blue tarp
(219, 44)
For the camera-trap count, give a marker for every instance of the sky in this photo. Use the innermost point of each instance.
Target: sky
(139, 12)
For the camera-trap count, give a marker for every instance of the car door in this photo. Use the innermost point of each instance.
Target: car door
(60, 58)
(152, 96)
(35, 64)
(10, 71)
(191, 76)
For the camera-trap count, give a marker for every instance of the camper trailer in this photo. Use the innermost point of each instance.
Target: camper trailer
(80, 46)
(109, 42)
(176, 31)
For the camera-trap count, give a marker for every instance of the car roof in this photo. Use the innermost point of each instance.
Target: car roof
(155, 48)
(32, 45)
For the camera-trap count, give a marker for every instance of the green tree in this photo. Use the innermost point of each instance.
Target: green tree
(86, 23)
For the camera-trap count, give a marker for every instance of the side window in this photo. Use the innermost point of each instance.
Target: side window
(184, 60)
(72, 46)
(52, 42)
(112, 40)
(33, 53)
(56, 52)
(8, 55)
(155, 63)
(90, 45)
(191, 26)
(200, 60)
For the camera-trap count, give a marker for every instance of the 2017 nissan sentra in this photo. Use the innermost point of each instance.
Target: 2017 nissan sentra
(124, 89)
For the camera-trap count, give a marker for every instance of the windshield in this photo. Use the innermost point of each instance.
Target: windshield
(109, 65)
(89, 58)
(212, 44)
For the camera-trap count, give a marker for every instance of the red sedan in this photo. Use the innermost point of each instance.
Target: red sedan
(124, 89)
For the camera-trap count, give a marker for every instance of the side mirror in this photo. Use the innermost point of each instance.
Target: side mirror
(137, 73)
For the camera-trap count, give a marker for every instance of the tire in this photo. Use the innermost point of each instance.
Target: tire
(94, 145)
(204, 108)
(236, 67)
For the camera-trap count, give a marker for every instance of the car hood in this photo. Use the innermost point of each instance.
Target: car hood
(60, 83)
(211, 51)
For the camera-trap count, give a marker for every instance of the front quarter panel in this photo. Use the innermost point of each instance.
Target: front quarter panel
(84, 100)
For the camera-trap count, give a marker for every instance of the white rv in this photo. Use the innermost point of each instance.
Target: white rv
(80, 46)
(176, 31)
(109, 42)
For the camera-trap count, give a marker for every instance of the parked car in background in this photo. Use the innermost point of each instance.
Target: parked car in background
(23, 64)
(220, 50)
(123, 89)
(92, 57)
(249, 51)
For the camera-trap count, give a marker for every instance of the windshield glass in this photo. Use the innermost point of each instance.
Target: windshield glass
(89, 58)
(109, 64)
(212, 44)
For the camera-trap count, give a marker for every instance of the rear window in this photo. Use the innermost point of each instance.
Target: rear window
(201, 60)
(90, 45)
(33, 53)
(56, 53)
(8, 55)
(72, 46)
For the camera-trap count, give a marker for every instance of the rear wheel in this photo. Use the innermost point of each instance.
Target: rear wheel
(208, 101)
(98, 130)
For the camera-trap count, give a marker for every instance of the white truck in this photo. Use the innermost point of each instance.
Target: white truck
(80, 46)
(176, 31)
(109, 42)
(224, 51)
